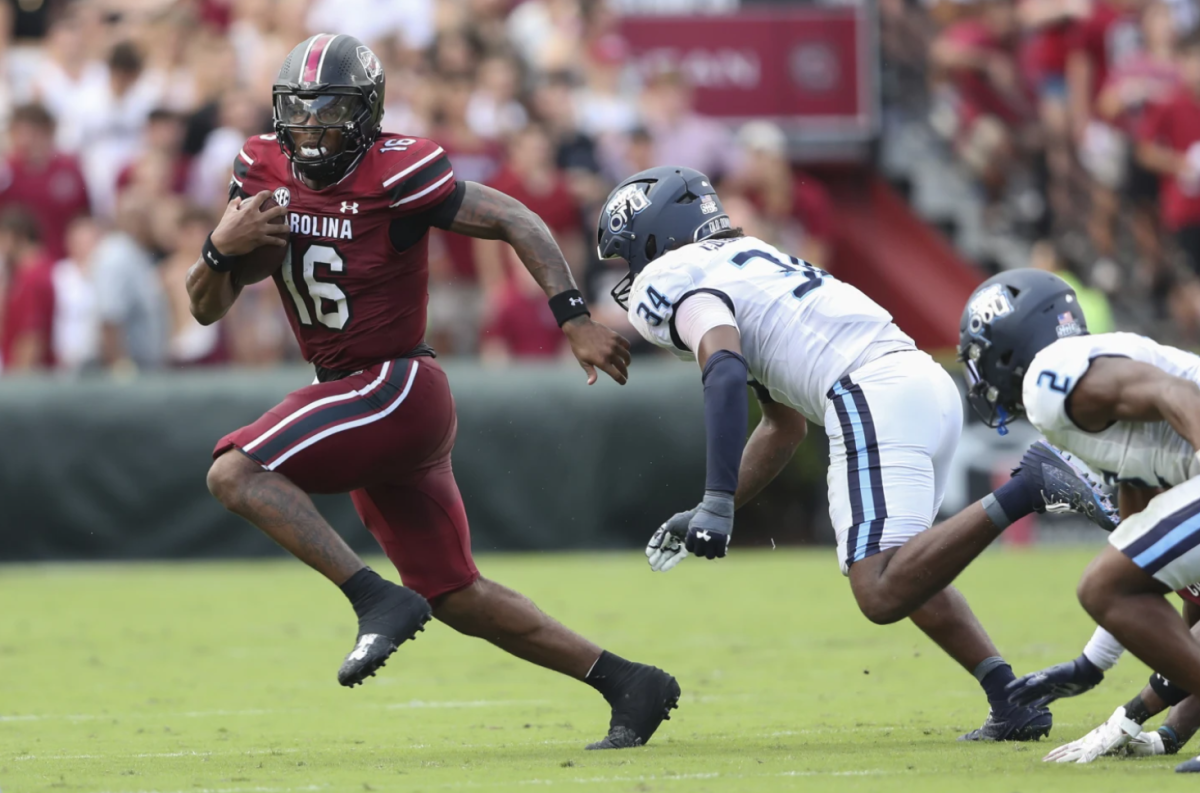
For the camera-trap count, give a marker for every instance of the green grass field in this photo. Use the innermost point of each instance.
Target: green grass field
(221, 677)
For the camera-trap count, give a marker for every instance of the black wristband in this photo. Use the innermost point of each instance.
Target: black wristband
(568, 305)
(215, 259)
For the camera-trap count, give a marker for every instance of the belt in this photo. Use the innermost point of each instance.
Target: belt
(327, 375)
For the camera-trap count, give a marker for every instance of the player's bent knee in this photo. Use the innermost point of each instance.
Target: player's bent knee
(871, 591)
(1095, 592)
(227, 476)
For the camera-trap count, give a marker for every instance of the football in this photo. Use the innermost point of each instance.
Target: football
(260, 263)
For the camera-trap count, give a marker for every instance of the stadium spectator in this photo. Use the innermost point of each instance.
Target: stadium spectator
(1148, 77)
(531, 176)
(1047, 25)
(604, 110)
(493, 110)
(1097, 44)
(76, 337)
(133, 313)
(977, 57)
(241, 116)
(574, 150)
(683, 136)
(455, 305)
(190, 343)
(546, 33)
(521, 324)
(110, 120)
(28, 322)
(1045, 255)
(68, 74)
(47, 183)
(375, 21)
(162, 141)
(1170, 146)
(796, 207)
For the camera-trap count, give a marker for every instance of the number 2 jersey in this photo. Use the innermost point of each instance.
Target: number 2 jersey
(355, 279)
(801, 329)
(1148, 454)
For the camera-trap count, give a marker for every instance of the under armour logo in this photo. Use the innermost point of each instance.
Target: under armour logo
(576, 301)
(703, 535)
(211, 258)
(349, 207)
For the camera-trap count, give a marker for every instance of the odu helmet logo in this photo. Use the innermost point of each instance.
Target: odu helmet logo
(628, 201)
(986, 306)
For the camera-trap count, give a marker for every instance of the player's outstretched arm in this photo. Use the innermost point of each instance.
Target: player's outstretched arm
(772, 444)
(242, 229)
(491, 215)
(1121, 389)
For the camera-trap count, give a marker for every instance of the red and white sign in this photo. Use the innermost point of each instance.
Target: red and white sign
(812, 68)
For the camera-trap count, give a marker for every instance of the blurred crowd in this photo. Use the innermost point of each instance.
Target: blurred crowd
(121, 120)
(1079, 122)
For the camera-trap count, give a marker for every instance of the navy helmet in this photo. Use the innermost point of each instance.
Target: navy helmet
(329, 82)
(656, 211)
(1009, 319)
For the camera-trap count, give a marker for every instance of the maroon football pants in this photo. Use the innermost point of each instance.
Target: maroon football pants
(383, 435)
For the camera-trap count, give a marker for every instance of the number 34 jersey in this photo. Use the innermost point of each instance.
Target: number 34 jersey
(356, 275)
(1150, 454)
(801, 329)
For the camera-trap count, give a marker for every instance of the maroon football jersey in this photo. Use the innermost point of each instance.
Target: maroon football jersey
(353, 299)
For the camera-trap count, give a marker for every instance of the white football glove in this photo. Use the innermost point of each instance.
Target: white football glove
(665, 549)
(1147, 744)
(1109, 737)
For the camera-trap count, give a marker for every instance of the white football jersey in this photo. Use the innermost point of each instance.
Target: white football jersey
(1151, 454)
(802, 329)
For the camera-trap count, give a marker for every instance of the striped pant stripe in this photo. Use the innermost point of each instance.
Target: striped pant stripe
(305, 428)
(868, 506)
(1171, 538)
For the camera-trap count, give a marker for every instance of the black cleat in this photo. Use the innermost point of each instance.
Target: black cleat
(1015, 724)
(396, 619)
(1064, 486)
(643, 703)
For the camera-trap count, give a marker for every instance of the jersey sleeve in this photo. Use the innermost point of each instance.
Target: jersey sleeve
(696, 315)
(1051, 376)
(652, 302)
(246, 157)
(420, 178)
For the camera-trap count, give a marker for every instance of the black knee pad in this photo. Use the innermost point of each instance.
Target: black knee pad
(1167, 691)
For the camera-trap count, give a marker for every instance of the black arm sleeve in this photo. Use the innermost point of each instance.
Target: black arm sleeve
(725, 419)
(407, 231)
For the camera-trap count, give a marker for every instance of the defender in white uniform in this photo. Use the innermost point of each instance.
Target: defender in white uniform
(815, 350)
(824, 349)
(1129, 408)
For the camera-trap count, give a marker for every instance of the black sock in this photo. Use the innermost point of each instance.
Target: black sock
(1136, 710)
(993, 678)
(1016, 497)
(609, 674)
(1170, 739)
(365, 589)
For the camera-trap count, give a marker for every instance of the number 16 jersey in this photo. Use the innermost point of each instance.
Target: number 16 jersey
(801, 329)
(355, 278)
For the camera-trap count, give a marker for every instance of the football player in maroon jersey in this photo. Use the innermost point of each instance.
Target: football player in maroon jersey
(380, 422)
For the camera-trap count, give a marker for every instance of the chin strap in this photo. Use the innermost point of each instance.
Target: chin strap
(1002, 427)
